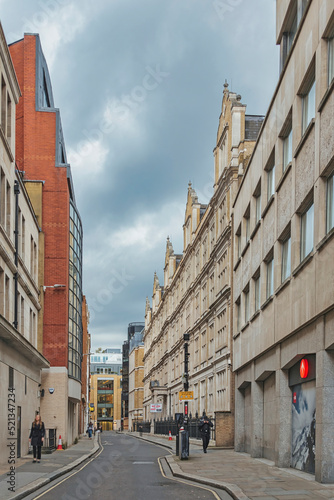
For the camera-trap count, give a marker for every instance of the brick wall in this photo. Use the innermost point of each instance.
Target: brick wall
(224, 428)
(35, 154)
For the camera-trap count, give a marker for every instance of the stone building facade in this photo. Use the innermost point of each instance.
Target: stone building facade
(195, 298)
(136, 384)
(283, 227)
(21, 242)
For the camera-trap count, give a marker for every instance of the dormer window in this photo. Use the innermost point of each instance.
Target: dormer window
(46, 99)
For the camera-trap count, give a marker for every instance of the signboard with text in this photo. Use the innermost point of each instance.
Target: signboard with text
(186, 395)
(157, 408)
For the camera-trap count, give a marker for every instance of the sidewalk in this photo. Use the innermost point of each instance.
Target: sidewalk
(32, 476)
(240, 475)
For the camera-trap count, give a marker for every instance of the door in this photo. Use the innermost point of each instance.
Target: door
(303, 426)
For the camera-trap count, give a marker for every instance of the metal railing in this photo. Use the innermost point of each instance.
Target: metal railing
(164, 425)
(50, 441)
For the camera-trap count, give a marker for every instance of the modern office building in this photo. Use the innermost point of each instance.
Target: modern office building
(108, 361)
(21, 245)
(41, 156)
(105, 401)
(195, 298)
(283, 227)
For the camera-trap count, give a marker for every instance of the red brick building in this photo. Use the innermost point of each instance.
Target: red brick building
(41, 155)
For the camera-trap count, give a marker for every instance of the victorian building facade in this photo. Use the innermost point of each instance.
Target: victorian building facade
(195, 298)
(283, 227)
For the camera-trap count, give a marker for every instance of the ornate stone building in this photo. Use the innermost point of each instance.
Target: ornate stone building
(196, 295)
(283, 227)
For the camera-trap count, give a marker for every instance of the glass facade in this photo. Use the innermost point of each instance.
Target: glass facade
(75, 296)
(105, 399)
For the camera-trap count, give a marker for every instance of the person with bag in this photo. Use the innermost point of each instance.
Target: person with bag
(204, 427)
(36, 437)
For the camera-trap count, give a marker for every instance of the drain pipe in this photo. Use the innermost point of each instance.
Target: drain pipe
(16, 233)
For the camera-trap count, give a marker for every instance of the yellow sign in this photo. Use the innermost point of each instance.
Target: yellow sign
(186, 395)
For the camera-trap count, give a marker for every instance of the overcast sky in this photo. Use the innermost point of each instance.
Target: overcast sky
(139, 86)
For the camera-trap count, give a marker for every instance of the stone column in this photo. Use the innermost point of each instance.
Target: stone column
(284, 419)
(324, 437)
(257, 419)
(239, 438)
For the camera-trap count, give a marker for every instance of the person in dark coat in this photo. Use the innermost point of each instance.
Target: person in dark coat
(36, 437)
(204, 427)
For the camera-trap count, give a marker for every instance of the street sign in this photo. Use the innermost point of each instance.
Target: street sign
(186, 395)
(156, 408)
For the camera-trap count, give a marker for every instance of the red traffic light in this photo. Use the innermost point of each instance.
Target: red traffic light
(303, 368)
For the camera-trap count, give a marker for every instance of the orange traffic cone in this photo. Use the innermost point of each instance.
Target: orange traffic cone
(60, 447)
(170, 436)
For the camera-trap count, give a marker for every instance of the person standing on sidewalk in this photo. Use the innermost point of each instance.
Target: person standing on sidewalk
(36, 437)
(204, 427)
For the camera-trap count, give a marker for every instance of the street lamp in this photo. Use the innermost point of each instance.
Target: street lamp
(53, 286)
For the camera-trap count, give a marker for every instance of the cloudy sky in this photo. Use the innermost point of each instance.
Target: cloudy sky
(139, 86)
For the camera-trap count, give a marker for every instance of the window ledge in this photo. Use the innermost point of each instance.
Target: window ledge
(257, 225)
(235, 335)
(270, 202)
(284, 174)
(237, 264)
(326, 95)
(244, 326)
(269, 299)
(245, 249)
(254, 315)
(285, 283)
(307, 259)
(304, 137)
(324, 240)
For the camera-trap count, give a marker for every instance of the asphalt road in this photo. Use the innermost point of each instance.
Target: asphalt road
(126, 469)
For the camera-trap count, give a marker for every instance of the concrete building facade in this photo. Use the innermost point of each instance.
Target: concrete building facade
(283, 227)
(21, 242)
(41, 155)
(195, 298)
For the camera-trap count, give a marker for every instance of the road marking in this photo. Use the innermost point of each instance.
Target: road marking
(142, 463)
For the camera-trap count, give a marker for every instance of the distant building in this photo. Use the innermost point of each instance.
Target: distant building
(136, 382)
(105, 401)
(107, 362)
(133, 330)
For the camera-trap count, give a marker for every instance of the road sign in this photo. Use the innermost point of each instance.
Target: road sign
(186, 395)
(156, 408)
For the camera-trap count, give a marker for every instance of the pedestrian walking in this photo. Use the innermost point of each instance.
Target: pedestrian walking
(36, 437)
(204, 427)
(90, 429)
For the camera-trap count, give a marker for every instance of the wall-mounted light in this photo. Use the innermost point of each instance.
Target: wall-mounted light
(53, 286)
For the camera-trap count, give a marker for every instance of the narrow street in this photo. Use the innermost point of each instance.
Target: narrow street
(126, 469)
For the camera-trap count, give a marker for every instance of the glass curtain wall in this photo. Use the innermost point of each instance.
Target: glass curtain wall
(75, 296)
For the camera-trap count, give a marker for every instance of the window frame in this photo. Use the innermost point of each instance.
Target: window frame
(330, 203)
(305, 249)
(286, 259)
(270, 277)
(308, 105)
